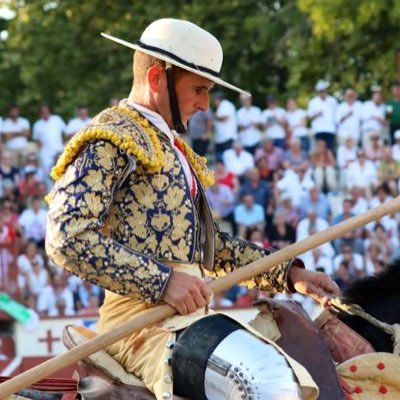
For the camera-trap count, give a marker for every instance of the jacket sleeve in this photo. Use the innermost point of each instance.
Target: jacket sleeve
(232, 253)
(76, 240)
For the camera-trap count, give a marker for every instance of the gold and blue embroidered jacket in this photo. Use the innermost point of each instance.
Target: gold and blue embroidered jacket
(121, 207)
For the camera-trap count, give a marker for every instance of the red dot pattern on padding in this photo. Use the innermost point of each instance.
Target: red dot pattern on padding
(381, 365)
(358, 389)
(353, 368)
(383, 389)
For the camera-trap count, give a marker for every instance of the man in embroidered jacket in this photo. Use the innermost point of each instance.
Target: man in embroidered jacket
(128, 213)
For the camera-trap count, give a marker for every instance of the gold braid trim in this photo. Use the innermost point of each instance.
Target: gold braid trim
(198, 163)
(76, 144)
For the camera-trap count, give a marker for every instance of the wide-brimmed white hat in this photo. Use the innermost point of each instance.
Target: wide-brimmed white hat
(183, 44)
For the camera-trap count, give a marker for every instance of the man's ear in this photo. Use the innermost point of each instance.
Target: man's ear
(154, 77)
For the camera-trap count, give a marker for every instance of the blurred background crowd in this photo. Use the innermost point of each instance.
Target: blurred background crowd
(283, 172)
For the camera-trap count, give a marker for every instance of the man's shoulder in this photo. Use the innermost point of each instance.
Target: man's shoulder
(125, 129)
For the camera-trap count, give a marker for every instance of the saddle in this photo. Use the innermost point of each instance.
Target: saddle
(101, 377)
(303, 341)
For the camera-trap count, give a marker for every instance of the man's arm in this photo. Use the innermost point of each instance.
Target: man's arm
(79, 205)
(288, 277)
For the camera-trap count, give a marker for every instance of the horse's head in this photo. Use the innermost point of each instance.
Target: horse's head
(379, 295)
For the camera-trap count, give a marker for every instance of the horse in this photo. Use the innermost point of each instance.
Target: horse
(379, 296)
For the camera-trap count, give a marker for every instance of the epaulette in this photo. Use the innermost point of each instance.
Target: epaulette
(129, 131)
(124, 128)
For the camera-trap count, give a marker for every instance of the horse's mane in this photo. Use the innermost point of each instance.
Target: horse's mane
(368, 290)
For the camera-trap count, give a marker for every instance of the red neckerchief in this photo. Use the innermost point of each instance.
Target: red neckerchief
(193, 188)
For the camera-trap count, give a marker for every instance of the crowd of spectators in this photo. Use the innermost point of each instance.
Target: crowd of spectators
(282, 174)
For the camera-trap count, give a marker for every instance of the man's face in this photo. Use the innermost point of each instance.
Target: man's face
(44, 112)
(248, 201)
(83, 113)
(350, 95)
(396, 91)
(14, 112)
(192, 91)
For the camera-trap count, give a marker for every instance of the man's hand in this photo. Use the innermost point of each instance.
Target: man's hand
(317, 285)
(186, 293)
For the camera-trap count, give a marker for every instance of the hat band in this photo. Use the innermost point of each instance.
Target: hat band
(178, 59)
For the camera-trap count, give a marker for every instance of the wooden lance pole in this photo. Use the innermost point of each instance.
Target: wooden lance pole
(159, 313)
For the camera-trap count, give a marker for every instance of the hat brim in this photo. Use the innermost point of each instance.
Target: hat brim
(170, 60)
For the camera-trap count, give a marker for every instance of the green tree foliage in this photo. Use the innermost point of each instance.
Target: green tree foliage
(355, 42)
(54, 51)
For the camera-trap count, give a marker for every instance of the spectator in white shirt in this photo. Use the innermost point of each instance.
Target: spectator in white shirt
(48, 133)
(237, 160)
(274, 122)
(15, 132)
(315, 259)
(29, 256)
(225, 124)
(354, 261)
(249, 120)
(373, 116)
(296, 119)
(362, 173)
(321, 112)
(345, 155)
(33, 221)
(36, 279)
(310, 225)
(76, 124)
(348, 117)
(360, 203)
(396, 146)
(56, 299)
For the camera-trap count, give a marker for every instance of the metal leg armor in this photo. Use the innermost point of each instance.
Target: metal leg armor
(216, 359)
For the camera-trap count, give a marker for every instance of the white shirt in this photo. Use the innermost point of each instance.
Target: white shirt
(322, 262)
(326, 121)
(345, 156)
(37, 283)
(25, 265)
(296, 122)
(360, 206)
(364, 177)
(251, 135)
(49, 133)
(76, 124)
(19, 125)
(237, 164)
(352, 124)
(47, 301)
(303, 231)
(357, 259)
(34, 225)
(158, 121)
(291, 185)
(270, 117)
(369, 111)
(225, 130)
(396, 152)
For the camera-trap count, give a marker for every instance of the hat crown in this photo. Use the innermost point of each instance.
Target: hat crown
(185, 41)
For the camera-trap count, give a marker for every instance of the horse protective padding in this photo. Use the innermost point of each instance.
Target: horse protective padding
(344, 342)
(374, 376)
(301, 340)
